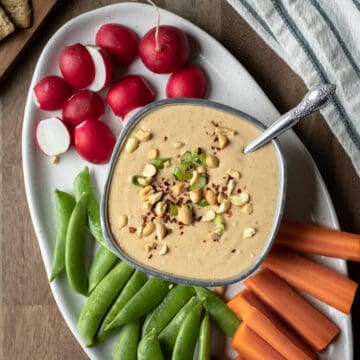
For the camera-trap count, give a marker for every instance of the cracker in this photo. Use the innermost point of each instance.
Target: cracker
(19, 12)
(6, 26)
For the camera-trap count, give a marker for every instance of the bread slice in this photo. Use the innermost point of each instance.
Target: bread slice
(19, 12)
(6, 26)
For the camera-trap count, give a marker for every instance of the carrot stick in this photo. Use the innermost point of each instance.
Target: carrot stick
(244, 301)
(312, 239)
(315, 279)
(314, 327)
(267, 330)
(251, 346)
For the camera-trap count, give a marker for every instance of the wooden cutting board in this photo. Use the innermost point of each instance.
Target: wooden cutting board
(13, 45)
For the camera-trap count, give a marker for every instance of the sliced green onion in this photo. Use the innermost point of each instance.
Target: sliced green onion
(200, 183)
(178, 173)
(202, 159)
(173, 209)
(219, 222)
(202, 203)
(159, 162)
(135, 179)
(186, 157)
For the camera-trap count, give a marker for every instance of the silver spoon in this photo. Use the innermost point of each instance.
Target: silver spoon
(313, 101)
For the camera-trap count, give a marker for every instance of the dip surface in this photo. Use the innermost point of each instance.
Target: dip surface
(206, 250)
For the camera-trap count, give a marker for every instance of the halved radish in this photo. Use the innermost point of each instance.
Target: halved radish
(189, 81)
(53, 136)
(94, 141)
(128, 93)
(77, 66)
(52, 92)
(120, 41)
(166, 51)
(83, 105)
(103, 68)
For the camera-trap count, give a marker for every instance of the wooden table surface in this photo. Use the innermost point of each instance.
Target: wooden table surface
(31, 324)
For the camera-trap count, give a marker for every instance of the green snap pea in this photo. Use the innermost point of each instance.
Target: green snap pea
(149, 347)
(204, 341)
(83, 184)
(186, 340)
(75, 261)
(64, 204)
(100, 266)
(100, 300)
(167, 309)
(127, 343)
(134, 284)
(168, 335)
(150, 295)
(224, 318)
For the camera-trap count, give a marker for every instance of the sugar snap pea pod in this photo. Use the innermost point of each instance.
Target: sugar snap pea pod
(134, 284)
(204, 341)
(83, 184)
(149, 347)
(167, 309)
(224, 318)
(75, 261)
(186, 340)
(100, 300)
(150, 295)
(168, 335)
(100, 266)
(64, 204)
(127, 343)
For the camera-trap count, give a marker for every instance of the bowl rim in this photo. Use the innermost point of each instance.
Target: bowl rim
(114, 247)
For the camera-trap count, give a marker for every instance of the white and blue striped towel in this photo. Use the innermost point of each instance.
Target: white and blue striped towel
(320, 40)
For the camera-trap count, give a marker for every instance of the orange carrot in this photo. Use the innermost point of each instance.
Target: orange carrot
(312, 239)
(314, 327)
(246, 300)
(315, 279)
(269, 332)
(251, 346)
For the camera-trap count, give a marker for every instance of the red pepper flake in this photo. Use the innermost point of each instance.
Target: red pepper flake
(132, 230)
(204, 241)
(166, 183)
(213, 148)
(238, 191)
(181, 233)
(165, 138)
(169, 231)
(149, 256)
(233, 250)
(156, 237)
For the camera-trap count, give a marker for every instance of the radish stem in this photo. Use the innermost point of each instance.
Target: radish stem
(157, 45)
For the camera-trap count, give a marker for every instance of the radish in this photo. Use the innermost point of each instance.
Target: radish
(103, 68)
(128, 93)
(120, 41)
(52, 136)
(189, 81)
(83, 105)
(164, 49)
(77, 66)
(94, 141)
(51, 92)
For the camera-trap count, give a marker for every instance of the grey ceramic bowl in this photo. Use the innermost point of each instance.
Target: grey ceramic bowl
(168, 276)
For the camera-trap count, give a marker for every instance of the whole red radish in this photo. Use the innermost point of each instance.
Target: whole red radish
(128, 93)
(94, 141)
(121, 42)
(103, 68)
(189, 82)
(52, 92)
(166, 52)
(52, 136)
(83, 105)
(77, 66)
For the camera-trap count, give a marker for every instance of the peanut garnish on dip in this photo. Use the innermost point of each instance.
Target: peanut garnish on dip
(199, 207)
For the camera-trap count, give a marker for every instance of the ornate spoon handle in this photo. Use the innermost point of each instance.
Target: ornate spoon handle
(315, 99)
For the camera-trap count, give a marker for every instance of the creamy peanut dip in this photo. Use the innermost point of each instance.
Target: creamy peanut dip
(185, 200)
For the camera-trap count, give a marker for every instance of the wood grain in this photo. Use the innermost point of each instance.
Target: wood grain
(31, 325)
(12, 47)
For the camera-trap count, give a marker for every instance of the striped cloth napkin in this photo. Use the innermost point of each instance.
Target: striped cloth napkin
(320, 41)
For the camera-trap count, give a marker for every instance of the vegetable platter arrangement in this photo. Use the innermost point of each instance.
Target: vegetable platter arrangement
(75, 119)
